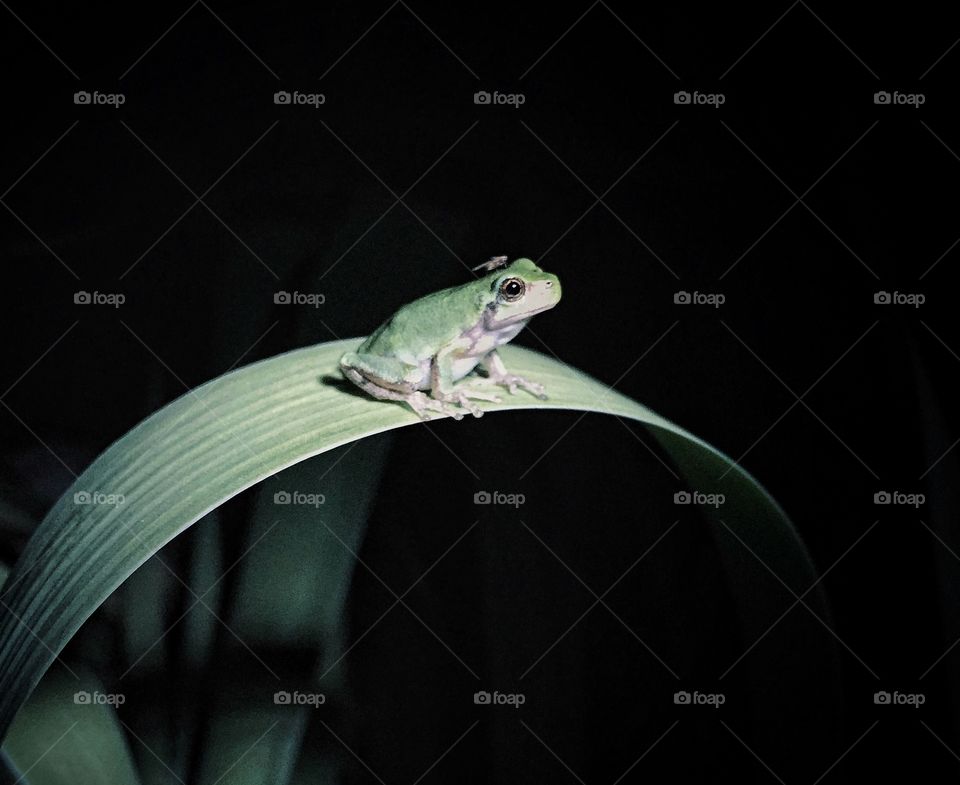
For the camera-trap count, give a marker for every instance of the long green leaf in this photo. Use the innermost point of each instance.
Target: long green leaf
(247, 425)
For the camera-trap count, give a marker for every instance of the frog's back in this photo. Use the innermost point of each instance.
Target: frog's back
(420, 328)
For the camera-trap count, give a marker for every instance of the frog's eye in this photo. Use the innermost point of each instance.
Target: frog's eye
(512, 289)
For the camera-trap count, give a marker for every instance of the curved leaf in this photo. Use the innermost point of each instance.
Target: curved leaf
(247, 425)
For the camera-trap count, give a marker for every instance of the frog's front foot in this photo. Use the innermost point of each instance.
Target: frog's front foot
(512, 382)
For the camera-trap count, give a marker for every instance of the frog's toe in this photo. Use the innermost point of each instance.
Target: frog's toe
(514, 383)
(463, 399)
(449, 408)
(456, 404)
(423, 406)
(420, 411)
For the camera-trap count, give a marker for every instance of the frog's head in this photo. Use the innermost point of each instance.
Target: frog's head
(518, 291)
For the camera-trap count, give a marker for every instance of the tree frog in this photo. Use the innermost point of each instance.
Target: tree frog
(436, 341)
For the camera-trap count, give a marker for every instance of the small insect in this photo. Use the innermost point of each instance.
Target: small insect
(493, 263)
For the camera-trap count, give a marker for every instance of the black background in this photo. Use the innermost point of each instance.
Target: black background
(693, 198)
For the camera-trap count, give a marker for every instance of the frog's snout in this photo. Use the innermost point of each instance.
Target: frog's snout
(552, 286)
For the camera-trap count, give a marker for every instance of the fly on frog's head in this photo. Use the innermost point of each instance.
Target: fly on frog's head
(493, 263)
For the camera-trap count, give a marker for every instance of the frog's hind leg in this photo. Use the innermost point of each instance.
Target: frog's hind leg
(373, 388)
(376, 374)
(389, 379)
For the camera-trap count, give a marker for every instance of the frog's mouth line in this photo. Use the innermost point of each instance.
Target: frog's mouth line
(523, 317)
